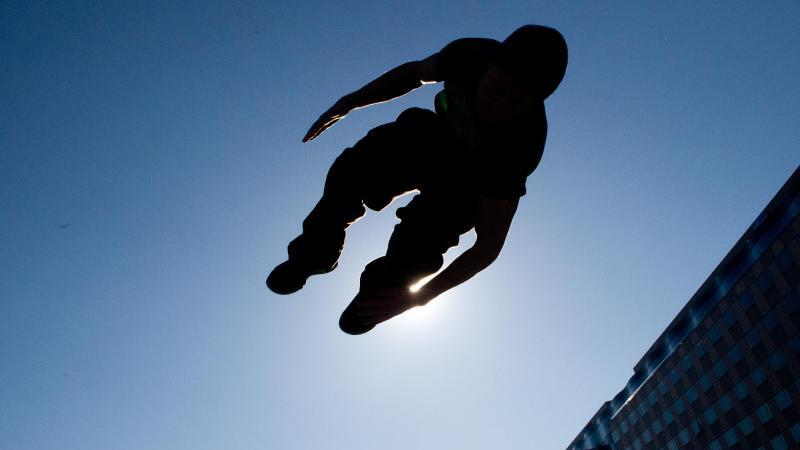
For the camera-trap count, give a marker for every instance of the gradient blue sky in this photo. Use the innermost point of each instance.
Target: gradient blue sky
(151, 174)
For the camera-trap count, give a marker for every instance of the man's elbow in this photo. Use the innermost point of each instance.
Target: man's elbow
(410, 74)
(487, 253)
(425, 70)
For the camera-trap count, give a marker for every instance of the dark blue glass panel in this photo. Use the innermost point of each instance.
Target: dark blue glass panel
(783, 400)
(746, 425)
(735, 354)
(770, 322)
(714, 334)
(691, 394)
(705, 383)
(741, 390)
(752, 338)
(777, 361)
(764, 280)
(710, 415)
(778, 443)
(730, 437)
(746, 300)
(759, 377)
(784, 260)
(764, 413)
(730, 317)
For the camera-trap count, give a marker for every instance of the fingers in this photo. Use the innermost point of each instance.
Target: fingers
(324, 122)
(314, 131)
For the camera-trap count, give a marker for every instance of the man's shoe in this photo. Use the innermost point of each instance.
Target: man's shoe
(289, 277)
(350, 322)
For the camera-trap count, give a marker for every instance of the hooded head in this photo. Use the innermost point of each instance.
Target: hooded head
(536, 57)
(527, 68)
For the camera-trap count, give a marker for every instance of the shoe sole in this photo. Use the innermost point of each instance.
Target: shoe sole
(310, 274)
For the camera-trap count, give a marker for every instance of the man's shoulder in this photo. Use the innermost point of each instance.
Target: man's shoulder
(465, 54)
(471, 43)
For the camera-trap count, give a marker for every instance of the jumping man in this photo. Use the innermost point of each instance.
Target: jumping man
(469, 160)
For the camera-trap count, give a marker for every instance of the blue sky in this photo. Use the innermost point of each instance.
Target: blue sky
(151, 174)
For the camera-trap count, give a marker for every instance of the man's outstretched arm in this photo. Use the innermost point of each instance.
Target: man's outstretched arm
(494, 221)
(392, 84)
(491, 229)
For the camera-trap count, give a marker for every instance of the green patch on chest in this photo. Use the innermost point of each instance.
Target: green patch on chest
(458, 111)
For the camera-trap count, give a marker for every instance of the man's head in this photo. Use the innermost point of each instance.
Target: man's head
(536, 57)
(528, 67)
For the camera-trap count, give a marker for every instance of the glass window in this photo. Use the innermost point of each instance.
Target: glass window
(652, 399)
(671, 445)
(796, 432)
(794, 344)
(764, 281)
(725, 404)
(699, 350)
(784, 260)
(730, 437)
(679, 406)
(633, 417)
(759, 376)
(746, 426)
(657, 427)
(770, 322)
(777, 361)
(695, 425)
(715, 446)
(746, 300)
(687, 362)
(623, 426)
(730, 317)
(779, 443)
(691, 394)
(714, 334)
(735, 354)
(673, 376)
(752, 338)
(705, 383)
(637, 444)
(783, 400)
(641, 409)
(662, 388)
(764, 413)
(741, 390)
(683, 436)
(615, 435)
(720, 369)
(647, 436)
(710, 415)
(667, 417)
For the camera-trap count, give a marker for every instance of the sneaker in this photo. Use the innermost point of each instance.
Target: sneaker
(289, 277)
(351, 323)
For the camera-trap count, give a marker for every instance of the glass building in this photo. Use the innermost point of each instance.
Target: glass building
(725, 374)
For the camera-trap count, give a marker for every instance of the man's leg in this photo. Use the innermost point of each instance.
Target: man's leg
(377, 169)
(430, 225)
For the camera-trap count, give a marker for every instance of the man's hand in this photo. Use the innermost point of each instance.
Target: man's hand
(392, 84)
(328, 118)
(390, 302)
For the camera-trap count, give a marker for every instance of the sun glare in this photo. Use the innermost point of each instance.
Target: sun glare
(419, 313)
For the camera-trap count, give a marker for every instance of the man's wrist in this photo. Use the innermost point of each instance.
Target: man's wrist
(347, 102)
(425, 294)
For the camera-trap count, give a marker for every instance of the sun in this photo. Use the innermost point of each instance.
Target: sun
(419, 314)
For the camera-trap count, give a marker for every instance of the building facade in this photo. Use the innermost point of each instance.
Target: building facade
(725, 374)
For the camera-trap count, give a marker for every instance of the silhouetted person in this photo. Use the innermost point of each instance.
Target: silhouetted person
(469, 161)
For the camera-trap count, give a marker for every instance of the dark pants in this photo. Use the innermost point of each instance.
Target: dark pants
(391, 160)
